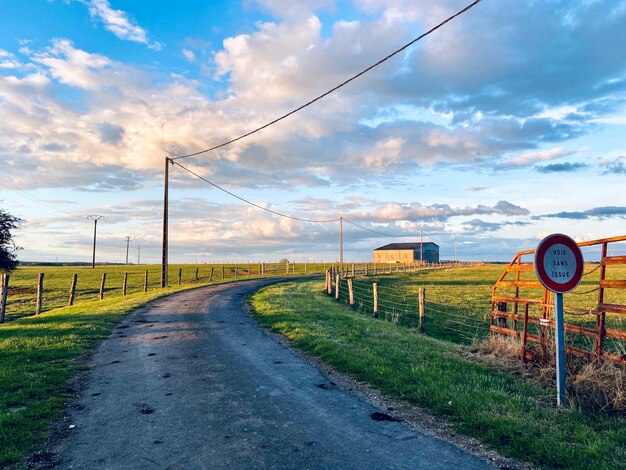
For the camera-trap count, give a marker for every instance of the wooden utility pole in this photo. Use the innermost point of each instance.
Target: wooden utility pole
(127, 244)
(421, 246)
(95, 219)
(165, 216)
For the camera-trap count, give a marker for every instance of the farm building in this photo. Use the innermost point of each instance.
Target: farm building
(407, 253)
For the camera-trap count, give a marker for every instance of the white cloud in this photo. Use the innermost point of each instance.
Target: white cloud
(119, 23)
(189, 55)
(529, 159)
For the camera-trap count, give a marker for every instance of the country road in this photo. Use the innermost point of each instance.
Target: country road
(191, 382)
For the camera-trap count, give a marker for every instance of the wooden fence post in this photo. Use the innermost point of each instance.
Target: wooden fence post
(145, 282)
(501, 307)
(305, 268)
(4, 291)
(211, 275)
(351, 291)
(104, 280)
(73, 289)
(353, 270)
(249, 270)
(125, 284)
(261, 269)
(236, 271)
(367, 269)
(180, 276)
(39, 304)
(329, 282)
(222, 272)
(422, 309)
(337, 285)
(197, 271)
(287, 267)
(375, 291)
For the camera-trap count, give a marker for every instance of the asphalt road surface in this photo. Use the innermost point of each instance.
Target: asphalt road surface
(191, 382)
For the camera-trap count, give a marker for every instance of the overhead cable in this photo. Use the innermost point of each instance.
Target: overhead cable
(342, 84)
(250, 202)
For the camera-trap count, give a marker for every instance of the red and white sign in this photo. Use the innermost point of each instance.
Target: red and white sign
(559, 263)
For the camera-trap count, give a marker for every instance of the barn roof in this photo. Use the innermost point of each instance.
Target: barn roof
(405, 246)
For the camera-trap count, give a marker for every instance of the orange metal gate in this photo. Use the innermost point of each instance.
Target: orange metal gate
(595, 312)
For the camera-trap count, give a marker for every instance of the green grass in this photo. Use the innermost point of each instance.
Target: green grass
(458, 301)
(498, 408)
(57, 281)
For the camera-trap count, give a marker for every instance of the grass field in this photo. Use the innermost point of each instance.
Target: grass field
(458, 301)
(57, 281)
(498, 408)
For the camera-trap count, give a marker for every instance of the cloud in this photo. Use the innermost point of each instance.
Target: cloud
(119, 23)
(111, 133)
(565, 167)
(477, 225)
(189, 55)
(280, 64)
(597, 212)
(529, 159)
(615, 166)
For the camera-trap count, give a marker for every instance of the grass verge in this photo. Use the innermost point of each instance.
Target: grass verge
(38, 358)
(505, 411)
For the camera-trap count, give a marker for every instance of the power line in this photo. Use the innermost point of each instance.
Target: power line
(250, 202)
(281, 214)
(33, 198)
(342, 84)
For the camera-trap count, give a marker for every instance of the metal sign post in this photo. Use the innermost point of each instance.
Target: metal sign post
(559, 267)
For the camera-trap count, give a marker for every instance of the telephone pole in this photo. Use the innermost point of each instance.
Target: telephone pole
(165, 216)
(127, 243)
(95, 219)
(341, 242)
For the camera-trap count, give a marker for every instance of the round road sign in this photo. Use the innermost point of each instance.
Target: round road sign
(559, 263)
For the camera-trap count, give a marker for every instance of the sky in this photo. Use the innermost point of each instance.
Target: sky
(498, 129)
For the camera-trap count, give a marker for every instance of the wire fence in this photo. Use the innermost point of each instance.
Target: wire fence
(33, 290)
(380, 293)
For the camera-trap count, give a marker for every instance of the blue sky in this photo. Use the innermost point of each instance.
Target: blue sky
(502, 127)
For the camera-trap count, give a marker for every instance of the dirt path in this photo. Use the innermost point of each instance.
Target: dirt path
(192, 382)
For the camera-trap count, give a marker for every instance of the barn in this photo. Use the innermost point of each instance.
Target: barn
(407, 253)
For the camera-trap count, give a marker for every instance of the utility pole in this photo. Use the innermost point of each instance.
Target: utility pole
(95, 219)
(127, 243)
(165, 216)
(456, 260)
(341, 242)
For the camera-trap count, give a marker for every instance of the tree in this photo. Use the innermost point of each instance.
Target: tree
(8, 248)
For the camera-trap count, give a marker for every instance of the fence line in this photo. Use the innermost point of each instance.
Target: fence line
(402, 306)
(26, 299)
